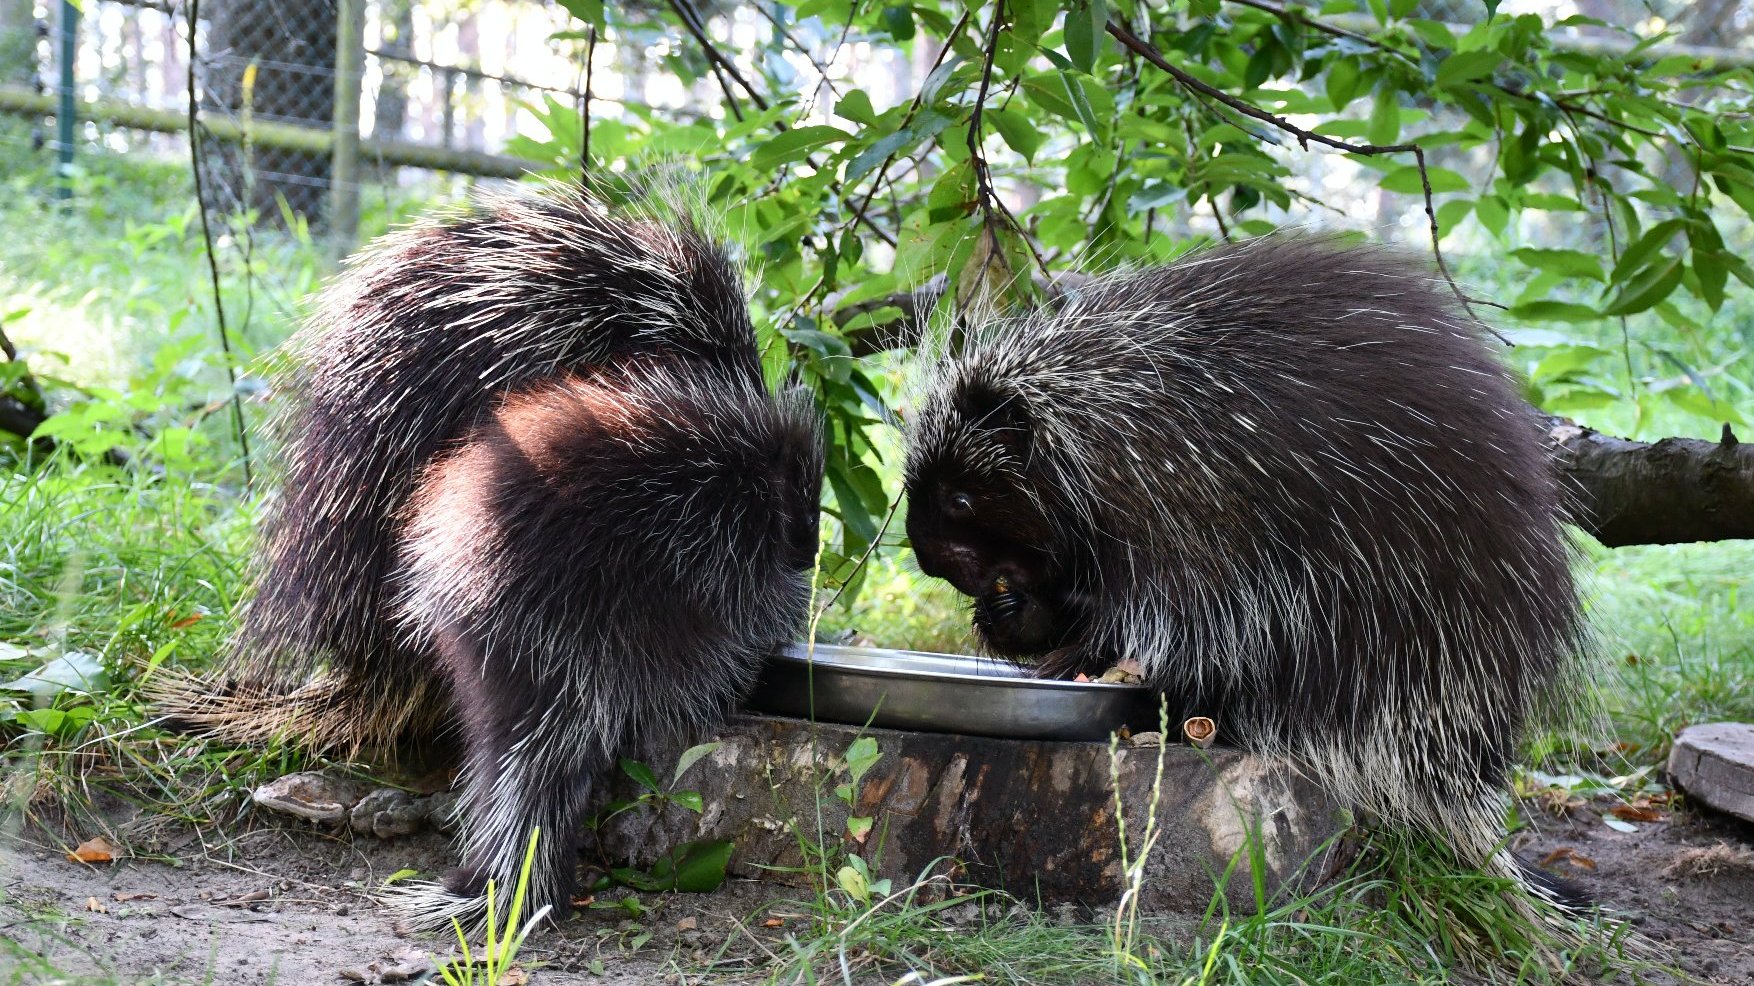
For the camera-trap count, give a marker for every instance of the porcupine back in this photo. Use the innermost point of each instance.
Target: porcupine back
(412, 346)
(1307, 500)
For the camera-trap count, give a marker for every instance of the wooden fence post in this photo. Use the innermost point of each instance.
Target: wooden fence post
(344, 168)
(67, 53)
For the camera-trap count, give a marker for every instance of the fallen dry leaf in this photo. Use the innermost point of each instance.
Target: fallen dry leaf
(688, 923)
(515, 976)
(1636, 813)
(95, 906)
(1568, 855)
(773, 923)
(93, 850)
(124, 898)
(243, 900)
(578, 902)
(186, 621)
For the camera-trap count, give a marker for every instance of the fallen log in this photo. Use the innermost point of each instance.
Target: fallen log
(1671, 491)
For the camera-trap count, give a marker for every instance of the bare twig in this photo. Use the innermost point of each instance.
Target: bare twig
(986, 199)
(585, 102)
(714, 55)
(231, 375)
(860, 212)
(800, 48)
(863, 558)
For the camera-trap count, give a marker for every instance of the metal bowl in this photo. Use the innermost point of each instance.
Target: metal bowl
(944, 693)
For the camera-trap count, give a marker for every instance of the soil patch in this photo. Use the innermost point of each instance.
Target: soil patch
(290, 905)
(1685, 880)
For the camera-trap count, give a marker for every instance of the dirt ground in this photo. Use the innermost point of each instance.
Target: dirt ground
(290, 907)
(1685, 882)
(283, 905)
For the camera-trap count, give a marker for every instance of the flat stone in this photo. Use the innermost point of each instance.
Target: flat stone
(1714, 764)
(1035, 818)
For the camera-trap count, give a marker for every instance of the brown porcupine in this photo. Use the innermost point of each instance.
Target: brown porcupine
(534, 483)
(1294, 484)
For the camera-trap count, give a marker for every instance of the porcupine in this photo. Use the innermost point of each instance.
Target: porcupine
(1292, 482)
(534, 484)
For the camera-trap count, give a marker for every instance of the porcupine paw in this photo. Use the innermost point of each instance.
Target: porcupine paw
(461, 895)
(428, 906)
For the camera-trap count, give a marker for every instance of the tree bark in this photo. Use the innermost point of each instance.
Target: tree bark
(18, 42)
(1032, 817)
(1668, 492)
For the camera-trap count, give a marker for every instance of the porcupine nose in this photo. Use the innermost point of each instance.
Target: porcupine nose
(958, 564)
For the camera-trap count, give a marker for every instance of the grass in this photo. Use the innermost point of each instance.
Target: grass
(145, 567)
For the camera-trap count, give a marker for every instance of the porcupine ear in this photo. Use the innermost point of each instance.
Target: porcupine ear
(1002, 413)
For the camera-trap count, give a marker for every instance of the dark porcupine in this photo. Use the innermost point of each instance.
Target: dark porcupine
(533, 482)
(1290, 481)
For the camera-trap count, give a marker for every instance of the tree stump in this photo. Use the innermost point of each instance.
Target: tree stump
(1034, 818)
(1714, 764)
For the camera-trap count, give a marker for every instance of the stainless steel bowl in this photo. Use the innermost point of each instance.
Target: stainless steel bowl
(944, 693)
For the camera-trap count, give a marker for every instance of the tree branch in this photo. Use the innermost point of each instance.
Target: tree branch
(1667, 492)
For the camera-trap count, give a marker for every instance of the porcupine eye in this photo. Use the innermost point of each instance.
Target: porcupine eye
(959, 506)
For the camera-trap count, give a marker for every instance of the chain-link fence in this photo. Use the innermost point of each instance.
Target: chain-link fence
(297, 99)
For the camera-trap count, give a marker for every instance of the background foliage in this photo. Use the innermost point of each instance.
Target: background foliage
(1587, 183)
(1610, 188)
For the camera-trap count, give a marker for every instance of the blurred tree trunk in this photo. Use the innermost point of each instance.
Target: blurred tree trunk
(390, 113)
(291, 44)
(18, 42)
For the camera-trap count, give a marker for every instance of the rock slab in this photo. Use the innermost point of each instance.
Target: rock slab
(1035, 818)
(1714, 764)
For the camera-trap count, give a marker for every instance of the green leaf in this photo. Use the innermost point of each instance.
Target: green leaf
(854, 884)
(859, 826)
(74, 671)
(1466, 66)
(1342, 82)
(641, 774)
(1021, 134)
(690, 757)
(690, 800)
(1085, 31)
(1652, 285)
(899, 22)
(860, 756)
(1713, 275)
(49, 722)
(925, 126)
(589, 11)
(1555, 311)
(1451, 213)
(1564, 361)
(1492, 213)
(1406, 180)
(1568, 263)
(700, 865)
(856, 106)
(1385, 118)
(794, 144)
(1645, 247)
